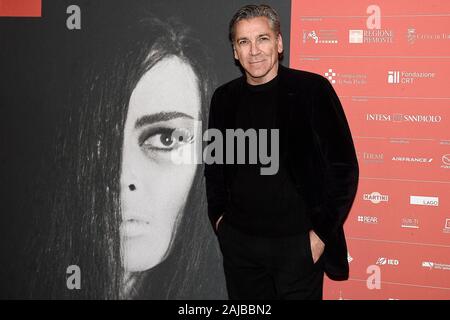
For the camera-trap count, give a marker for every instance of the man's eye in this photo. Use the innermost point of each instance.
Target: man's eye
(166, 139)
(242, 42)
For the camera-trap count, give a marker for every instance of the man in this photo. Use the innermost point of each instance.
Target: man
(279, 233)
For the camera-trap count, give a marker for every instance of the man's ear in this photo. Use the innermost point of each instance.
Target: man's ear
(235, 53)
(280, 44)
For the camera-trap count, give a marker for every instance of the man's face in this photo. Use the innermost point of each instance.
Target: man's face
(257, 46)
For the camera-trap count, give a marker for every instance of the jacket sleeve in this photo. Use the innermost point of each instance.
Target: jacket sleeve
(216, 190)
(338, 156)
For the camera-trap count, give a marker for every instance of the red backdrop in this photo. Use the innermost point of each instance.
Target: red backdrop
(389, 63)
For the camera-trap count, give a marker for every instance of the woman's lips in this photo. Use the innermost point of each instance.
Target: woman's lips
(134, 228)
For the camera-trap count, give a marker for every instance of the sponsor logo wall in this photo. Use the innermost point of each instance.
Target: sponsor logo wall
(389, 63)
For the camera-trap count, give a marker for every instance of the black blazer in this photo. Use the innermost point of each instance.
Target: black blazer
(321, 156)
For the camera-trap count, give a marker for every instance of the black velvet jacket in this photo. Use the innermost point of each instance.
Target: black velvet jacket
(321, 156)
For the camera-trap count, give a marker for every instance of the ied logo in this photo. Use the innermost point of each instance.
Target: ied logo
(385, 261)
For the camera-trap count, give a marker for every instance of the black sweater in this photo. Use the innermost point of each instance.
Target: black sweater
(321, 157)
(264, 205)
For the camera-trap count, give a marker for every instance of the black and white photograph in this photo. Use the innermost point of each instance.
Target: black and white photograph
(93, 204)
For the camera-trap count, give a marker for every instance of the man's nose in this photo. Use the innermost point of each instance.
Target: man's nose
(254, 49)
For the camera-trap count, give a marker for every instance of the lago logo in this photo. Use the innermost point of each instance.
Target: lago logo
(20, 8)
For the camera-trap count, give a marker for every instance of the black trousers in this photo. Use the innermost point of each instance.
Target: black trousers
(269, 268)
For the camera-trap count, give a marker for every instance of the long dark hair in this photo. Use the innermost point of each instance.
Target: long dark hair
(85, 215)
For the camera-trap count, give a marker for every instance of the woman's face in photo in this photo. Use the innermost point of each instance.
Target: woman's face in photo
(154, 183)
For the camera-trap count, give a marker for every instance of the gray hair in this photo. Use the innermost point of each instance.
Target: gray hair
(253, 11)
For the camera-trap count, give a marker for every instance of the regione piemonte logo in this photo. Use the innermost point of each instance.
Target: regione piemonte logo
(356, 36)
(20, 8)
(373, 34)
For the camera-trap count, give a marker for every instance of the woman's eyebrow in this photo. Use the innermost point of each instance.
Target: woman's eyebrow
(160, 116)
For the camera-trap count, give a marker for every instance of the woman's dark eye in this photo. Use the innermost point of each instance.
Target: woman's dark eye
(165, 139)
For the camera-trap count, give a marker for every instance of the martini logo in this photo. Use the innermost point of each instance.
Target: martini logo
(20, 8)
(375, 197)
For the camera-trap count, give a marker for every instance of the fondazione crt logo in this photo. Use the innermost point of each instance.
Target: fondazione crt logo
(20, 8)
